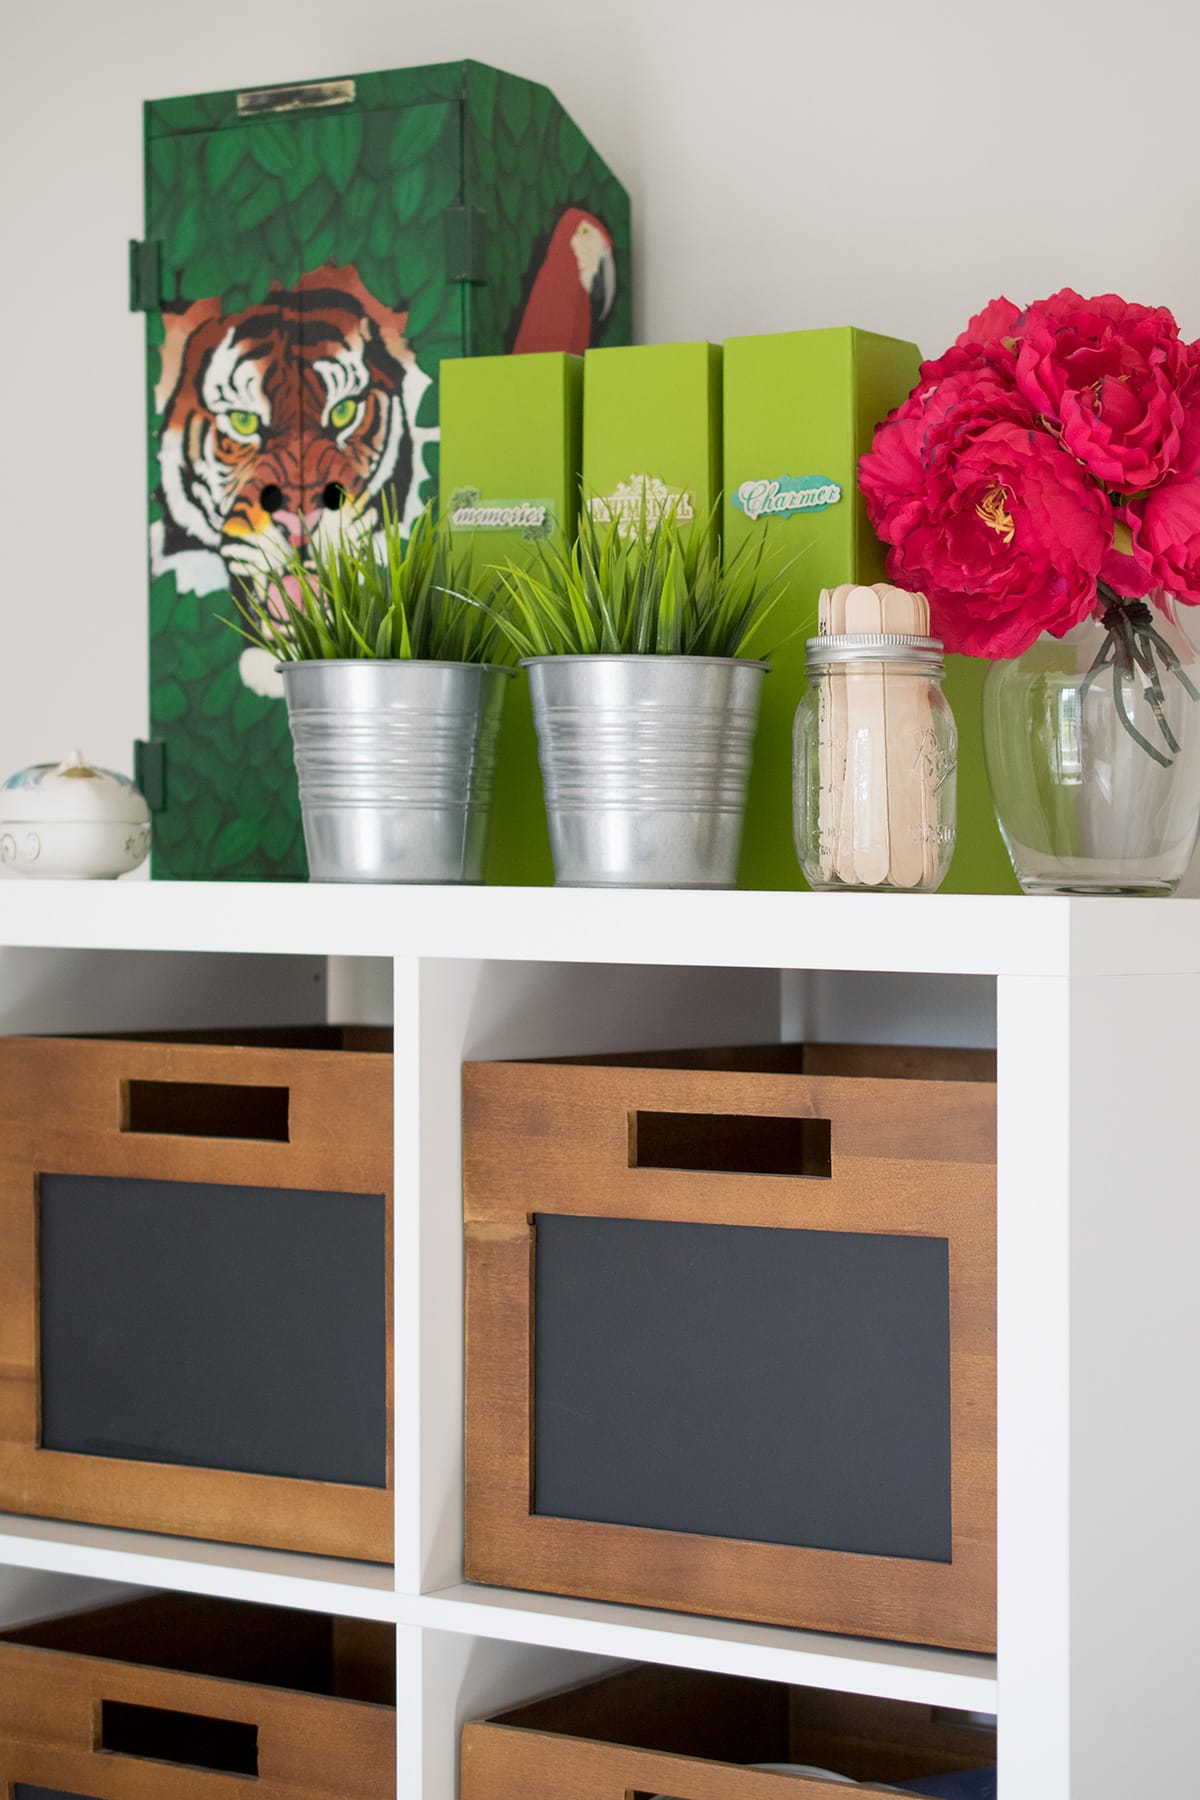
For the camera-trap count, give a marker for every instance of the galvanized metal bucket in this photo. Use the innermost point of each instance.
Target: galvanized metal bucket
(645, 762)
(395, 761)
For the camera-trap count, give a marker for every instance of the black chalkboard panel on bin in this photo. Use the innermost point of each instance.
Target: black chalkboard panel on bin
(214, 1327)
(651, 1407)
(198, 1286)
(731, 1335)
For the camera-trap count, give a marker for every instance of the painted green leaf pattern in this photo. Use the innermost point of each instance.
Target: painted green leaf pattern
(516, 105)
(241, 204)
(345, 141)
(258, 206)
(482, 84)
(222, 155)
(408, 189)
(522, 180)
(417, 131)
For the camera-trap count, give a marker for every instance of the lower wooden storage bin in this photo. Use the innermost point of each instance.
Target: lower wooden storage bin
(681, 1732)
(175, 1698)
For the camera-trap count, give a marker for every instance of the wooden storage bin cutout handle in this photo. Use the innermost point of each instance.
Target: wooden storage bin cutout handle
(731, 1143)
(191, 1740)
(215, 1109)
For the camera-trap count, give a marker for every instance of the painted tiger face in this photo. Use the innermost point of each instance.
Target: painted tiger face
(287, 421)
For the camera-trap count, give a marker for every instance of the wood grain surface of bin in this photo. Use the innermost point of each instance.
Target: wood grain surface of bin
(303, 1114)
(656, 1731)
(911, 1138)
(287, 1705)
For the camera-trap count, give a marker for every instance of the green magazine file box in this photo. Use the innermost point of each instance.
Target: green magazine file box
(652, 424)
(509, 479)
(312, 253)
(800, 408)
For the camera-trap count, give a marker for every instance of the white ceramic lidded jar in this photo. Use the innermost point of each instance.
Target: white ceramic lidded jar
(70, 821)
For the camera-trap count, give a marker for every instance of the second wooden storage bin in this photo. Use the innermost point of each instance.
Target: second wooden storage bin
(179, 1698)
(655, 1731)
(731, 1335)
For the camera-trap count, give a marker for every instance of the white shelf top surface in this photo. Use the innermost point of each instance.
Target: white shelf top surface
(367, 1591)
(973, 934)
(193, 1566)
(766, 1652)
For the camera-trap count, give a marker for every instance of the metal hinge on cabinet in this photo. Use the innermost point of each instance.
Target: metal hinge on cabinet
(465, 226)
(150, 771)
(145, 275)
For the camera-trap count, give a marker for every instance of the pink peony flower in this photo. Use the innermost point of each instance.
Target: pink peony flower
(1107, 375)
(1187, 460)
(988, 342)
(986, 513)
(1166, 537)
(1047, 451)
(1012, 545)
(907, 467)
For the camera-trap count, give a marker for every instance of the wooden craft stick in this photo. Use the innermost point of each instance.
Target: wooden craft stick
(831, 618)
(907, 786)
(830, 774)
(831, 608)
(866, 791)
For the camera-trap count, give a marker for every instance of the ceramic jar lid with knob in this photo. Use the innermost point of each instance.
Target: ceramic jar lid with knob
(72, 821)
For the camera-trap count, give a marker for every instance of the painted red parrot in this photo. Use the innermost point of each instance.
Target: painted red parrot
(573, 290)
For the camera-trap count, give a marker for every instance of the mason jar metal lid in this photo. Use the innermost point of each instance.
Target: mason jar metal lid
(876, 646)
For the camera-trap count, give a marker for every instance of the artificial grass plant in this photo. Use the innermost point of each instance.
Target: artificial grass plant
(639, 586)
(373, 595)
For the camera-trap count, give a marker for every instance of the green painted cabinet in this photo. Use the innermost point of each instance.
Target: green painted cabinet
(312, 254)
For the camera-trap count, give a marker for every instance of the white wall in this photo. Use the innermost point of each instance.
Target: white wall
(792, 163)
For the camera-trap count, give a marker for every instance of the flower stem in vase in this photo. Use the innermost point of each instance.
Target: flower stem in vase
(1131, 643)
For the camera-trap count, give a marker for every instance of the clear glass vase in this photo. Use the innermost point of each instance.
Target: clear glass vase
(1092, 744)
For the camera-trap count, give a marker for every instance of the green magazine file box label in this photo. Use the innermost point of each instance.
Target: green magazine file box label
(469, 510)
(318, 251)
(785, 496)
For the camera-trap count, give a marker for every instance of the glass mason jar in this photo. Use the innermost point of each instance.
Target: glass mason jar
(1092, 743)
(875, 764)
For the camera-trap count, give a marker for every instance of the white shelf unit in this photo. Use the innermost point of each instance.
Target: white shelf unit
(1091, 1006)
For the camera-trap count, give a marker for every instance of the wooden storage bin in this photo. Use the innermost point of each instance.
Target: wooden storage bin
(196, 1286)
(174, 1697)
(792, 1420)
(682, 1732)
